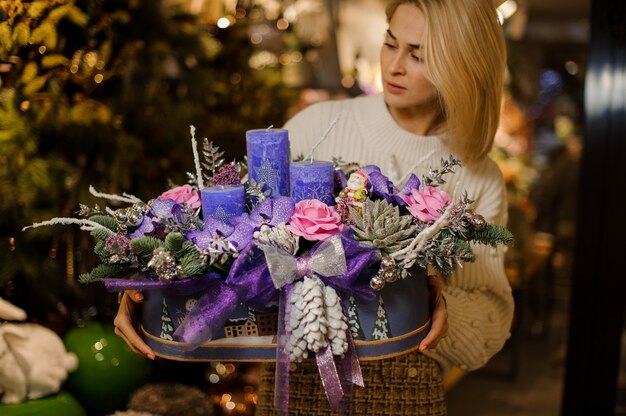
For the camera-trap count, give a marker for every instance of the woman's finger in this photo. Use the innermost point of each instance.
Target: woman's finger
(439, 326)
(124, 325)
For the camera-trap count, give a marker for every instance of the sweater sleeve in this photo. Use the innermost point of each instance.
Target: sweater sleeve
(479, 297)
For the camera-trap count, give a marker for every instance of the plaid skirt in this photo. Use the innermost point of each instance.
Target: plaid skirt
(410, 384)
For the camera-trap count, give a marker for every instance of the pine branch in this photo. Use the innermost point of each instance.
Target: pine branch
(492, 234)
(192, 265)
(145, 246)
(101, 271)
(174, 242)
(105, 221)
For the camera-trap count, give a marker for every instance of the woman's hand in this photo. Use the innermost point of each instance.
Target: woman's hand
(439, 324)
(124, 323)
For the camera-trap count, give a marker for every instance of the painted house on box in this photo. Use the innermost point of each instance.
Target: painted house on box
(242, 327)
(267, 323)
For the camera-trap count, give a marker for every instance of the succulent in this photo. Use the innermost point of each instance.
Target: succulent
(381, 224)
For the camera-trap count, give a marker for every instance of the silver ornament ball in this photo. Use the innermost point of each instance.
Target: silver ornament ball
(478, 222)
(377, 283)
(390, 276)
(387, 263)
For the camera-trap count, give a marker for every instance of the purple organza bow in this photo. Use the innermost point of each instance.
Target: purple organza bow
(382, 187)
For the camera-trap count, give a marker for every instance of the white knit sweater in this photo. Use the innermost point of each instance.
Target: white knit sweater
(479, 300)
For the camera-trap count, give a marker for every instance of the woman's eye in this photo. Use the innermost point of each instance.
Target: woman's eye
(390, 45)
(417, 58)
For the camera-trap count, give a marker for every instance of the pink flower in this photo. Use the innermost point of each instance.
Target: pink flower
(184, 194)
(314, 220)
(425, 203)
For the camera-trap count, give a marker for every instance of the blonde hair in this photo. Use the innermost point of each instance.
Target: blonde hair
(465, 57)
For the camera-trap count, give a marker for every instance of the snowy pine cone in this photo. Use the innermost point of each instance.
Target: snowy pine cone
(278, 236)
(337, 322)
(307, 322)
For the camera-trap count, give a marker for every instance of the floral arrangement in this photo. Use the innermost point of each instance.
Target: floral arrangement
(306, 254)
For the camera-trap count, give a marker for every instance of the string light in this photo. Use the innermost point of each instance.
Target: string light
(223, 22)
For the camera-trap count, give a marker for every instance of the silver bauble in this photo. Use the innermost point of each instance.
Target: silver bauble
(377, 283)
(390, 276)
(478, 222)
(387, 263)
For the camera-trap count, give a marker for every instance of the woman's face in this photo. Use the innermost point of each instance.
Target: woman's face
(405, 83)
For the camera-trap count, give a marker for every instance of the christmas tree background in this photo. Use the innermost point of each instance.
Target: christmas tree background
(103, 93)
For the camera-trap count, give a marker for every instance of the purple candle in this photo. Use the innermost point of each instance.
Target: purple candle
(268, 159)
(223, 202)
(312, 180)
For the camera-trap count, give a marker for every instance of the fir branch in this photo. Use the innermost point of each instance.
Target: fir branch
(492, 234)
(145, 246)
(196, 157)
(100, 234)
(192, 265)
(100, 251)
(101, 271)
(105, 221)
(112, 197)
(174, 242)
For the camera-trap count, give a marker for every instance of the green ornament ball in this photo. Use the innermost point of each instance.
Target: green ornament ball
(108, 371)
(59, 404)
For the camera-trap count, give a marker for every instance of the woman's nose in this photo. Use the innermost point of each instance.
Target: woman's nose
(397, 65)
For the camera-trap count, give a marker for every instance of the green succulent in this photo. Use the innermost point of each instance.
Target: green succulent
(381, 224)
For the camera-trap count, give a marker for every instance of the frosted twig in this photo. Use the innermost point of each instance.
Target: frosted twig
(86, 225)
(425, 234)
(324, 137)
(196, 157)
(406, 175)
(126, 198)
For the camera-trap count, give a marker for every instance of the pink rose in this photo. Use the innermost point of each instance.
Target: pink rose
(314, 220)
(425, 204)
(184, 194)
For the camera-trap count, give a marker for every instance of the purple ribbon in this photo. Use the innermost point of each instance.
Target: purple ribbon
(281, 379)
(185, 287)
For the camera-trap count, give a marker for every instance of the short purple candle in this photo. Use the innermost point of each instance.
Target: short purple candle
(223, 202)
(312, 180)
(268, 159)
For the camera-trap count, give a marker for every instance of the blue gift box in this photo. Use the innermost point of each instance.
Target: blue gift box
(392, 325)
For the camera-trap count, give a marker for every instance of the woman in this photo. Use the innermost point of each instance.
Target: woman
(443, 64)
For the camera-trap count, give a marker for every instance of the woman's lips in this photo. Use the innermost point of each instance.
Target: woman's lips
(394, 88)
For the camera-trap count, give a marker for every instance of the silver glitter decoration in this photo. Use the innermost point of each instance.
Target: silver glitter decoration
(221, 214)
(164, 264)
(267, 175)
(128, 217)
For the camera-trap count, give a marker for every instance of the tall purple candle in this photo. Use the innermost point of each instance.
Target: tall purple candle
(268, 159)
(312, 180)
(222, 202)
